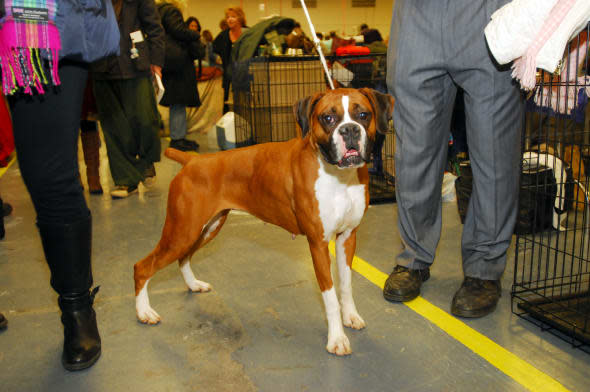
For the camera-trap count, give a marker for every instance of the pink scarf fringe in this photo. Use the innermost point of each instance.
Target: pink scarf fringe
(18, 69)
(524, 68)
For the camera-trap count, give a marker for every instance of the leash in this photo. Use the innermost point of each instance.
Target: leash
(318, 47)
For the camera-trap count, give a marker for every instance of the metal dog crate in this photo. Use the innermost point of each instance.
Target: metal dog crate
(552, 262)
(265, 90)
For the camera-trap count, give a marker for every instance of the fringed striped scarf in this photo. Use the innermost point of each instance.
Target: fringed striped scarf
(29, 45)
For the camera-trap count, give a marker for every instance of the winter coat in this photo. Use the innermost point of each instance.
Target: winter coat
(136, 15)
(88, 30)
(180, 79)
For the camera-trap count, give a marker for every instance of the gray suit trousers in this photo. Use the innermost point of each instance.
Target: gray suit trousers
(435, 46)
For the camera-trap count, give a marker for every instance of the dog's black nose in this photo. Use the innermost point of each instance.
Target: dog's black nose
(351, 134)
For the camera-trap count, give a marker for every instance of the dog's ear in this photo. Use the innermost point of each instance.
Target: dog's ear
(383, 105)
(303, 109)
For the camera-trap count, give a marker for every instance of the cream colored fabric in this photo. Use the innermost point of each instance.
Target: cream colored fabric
(203, 118)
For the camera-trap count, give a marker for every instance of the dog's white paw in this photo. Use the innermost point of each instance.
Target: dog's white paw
(353, 320)
(147, 315)
(198, 286)
(339, 345)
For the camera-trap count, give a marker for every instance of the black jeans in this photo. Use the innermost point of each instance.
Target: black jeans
(46, 138)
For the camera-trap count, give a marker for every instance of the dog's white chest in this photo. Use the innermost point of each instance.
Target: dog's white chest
(341, 199)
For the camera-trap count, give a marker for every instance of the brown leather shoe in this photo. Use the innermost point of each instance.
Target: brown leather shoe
(404, 284)
(476, 297)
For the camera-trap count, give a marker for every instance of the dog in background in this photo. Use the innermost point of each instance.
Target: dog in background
(315, 185)
(570, 154)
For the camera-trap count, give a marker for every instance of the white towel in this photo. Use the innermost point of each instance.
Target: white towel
(552, 52)
(514, 27)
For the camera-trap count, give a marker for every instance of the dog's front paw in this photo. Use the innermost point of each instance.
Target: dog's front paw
(147, 315)
(353, 320)
(339, 345)
(198, 286)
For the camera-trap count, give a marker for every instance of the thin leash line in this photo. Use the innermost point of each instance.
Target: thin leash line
(318, 47)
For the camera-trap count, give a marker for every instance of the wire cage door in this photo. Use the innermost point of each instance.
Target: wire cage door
(265, 90)
(552, 262)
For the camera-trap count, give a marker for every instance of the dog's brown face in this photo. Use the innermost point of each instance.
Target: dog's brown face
(342, 123)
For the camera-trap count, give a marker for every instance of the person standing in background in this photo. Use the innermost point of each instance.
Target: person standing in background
(193, 24)
(434, 47)
(223, 24)
(183, 46)
(223, 43)
(125, 98)
(211, 58)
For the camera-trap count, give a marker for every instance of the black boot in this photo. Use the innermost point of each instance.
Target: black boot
(67, 250)
(81, 338)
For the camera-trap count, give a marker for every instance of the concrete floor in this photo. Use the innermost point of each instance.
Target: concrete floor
(262, 328)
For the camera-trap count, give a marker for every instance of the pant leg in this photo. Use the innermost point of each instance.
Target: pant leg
(226, 82)
(130, 127)
(424, 94)
(117, 131)
(494, 111)
(177, 121)
(46, 139)
(142, 109)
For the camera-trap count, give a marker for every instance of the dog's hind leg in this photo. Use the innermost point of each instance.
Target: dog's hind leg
(145, 313)
(177, 243)
(208, 232)
(194, 285)
(143, 271)
(345, 248)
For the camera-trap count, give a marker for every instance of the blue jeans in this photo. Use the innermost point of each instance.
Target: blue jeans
(177, 121)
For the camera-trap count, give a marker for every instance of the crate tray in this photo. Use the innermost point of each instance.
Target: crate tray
(557, 314)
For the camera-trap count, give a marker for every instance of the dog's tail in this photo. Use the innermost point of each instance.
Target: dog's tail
(177, 155)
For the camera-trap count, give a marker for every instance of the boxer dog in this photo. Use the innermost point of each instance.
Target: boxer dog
(316, 185)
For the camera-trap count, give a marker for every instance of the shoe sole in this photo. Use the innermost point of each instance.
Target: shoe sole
(476, 313)
(124, 197)
(81, 366)
(400, 298)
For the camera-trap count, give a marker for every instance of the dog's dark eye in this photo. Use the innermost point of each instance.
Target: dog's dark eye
(363, 115)
(329, 119)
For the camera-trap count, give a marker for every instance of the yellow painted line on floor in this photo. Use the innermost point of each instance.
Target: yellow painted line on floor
(511, 365)
(3, 169)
